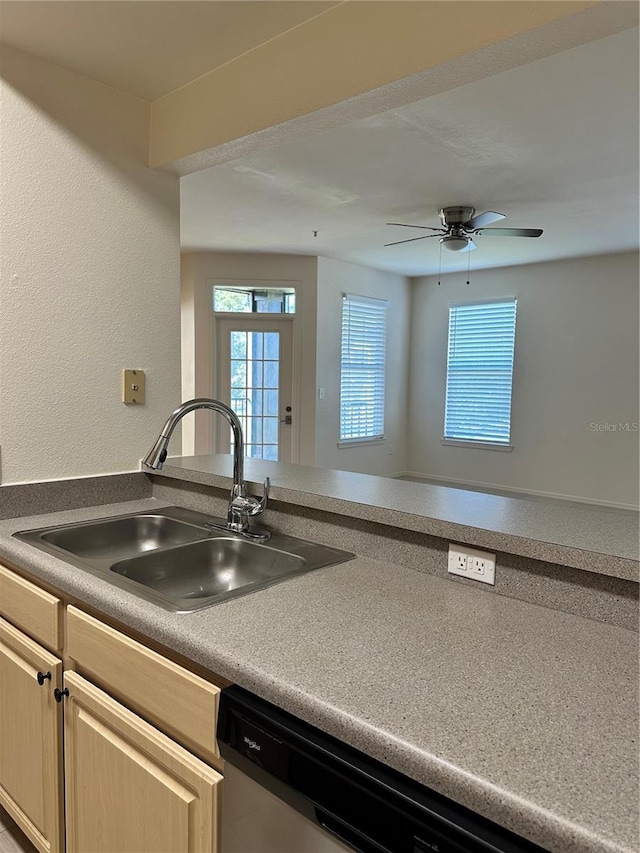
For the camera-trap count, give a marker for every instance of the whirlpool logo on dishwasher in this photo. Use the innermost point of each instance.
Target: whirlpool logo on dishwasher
(252, 744)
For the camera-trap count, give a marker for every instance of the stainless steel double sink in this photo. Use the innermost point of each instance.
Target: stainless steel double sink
(170, 556)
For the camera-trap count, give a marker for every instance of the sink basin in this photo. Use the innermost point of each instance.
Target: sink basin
(209, 569)
(171, 558)
(119, 537)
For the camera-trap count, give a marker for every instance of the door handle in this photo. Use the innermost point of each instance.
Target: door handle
(286, 420)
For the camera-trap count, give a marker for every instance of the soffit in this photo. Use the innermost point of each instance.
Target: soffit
(147, 48)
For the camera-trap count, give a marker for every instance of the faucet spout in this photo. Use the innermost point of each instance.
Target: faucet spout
(241, 506)
(158, 453)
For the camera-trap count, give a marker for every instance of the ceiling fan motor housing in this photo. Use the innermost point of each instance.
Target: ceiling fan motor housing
(456, 215)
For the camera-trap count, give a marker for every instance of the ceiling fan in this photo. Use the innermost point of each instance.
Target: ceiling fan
(460, 226)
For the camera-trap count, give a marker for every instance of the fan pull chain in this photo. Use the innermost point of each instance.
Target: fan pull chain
(468, 265)
(440, 265)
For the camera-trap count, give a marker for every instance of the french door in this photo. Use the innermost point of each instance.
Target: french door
(254, 377)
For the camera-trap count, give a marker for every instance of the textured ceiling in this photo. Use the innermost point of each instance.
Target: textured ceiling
(552, 144)
(147, 47)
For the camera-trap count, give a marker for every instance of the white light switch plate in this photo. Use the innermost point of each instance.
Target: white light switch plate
(470, 563)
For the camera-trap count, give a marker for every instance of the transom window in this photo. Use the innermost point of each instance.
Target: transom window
(362, 368)
(252, 299)
(480, 372)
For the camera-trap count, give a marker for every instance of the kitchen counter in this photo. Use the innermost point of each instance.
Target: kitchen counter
(584, 536)
(524, 714)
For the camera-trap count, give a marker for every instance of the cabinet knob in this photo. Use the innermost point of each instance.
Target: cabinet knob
(59, 695)
(42, 677)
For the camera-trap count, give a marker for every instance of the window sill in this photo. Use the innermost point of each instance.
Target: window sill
(359, 442)
(482, 445)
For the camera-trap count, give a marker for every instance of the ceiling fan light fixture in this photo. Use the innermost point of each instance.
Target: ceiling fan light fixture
(455, 243)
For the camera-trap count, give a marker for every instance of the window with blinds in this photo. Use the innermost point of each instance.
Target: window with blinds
(480, 372)
(362, 368)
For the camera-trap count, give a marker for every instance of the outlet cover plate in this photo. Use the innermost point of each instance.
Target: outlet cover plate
(133, 387)
(471, 563)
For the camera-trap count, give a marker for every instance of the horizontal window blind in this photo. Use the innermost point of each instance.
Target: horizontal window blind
(362, 367)
(480, 371)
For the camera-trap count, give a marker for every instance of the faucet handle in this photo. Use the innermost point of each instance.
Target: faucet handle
(250, 505)
(262, 503)
(241, 508)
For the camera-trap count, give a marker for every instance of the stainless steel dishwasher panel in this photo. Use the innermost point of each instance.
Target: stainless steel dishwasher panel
(256, 821)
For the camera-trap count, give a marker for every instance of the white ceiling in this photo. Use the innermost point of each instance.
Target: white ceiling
(147, 47)
(552, 144)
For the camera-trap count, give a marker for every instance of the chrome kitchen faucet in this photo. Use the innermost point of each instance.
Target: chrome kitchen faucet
(241, 506)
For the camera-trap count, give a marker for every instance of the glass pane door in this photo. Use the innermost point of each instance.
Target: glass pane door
(254, 375)
(254, 382)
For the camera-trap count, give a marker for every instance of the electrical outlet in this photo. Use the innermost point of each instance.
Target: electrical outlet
(469, 563)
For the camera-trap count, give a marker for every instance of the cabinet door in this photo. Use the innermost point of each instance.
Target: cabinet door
(129, 787)
(30, 739)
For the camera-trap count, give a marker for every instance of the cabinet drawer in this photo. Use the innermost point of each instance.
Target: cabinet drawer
(177, 701)
(36, 612)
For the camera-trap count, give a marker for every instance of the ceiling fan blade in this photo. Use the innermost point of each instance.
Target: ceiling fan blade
(511, 232)
(469, 247)
(425, 227)
(425, 237)
(483, 219)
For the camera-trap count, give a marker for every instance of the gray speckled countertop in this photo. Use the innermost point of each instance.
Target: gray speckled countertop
(524, 714)
(585, 536)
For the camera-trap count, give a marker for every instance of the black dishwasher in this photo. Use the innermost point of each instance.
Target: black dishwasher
(358, 800)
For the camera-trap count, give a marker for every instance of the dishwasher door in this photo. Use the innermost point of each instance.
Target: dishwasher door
(256, 821)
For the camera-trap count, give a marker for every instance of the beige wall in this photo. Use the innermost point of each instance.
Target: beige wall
(342, 52)
(334, 279)
(199, 271)
(576, 364)
(89, 275)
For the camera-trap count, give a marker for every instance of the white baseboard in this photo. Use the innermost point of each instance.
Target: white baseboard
(495, 487)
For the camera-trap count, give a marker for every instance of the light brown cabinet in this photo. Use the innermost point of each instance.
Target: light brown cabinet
(36, 612)
(128, 786)
(177, 701)
(31, 738)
